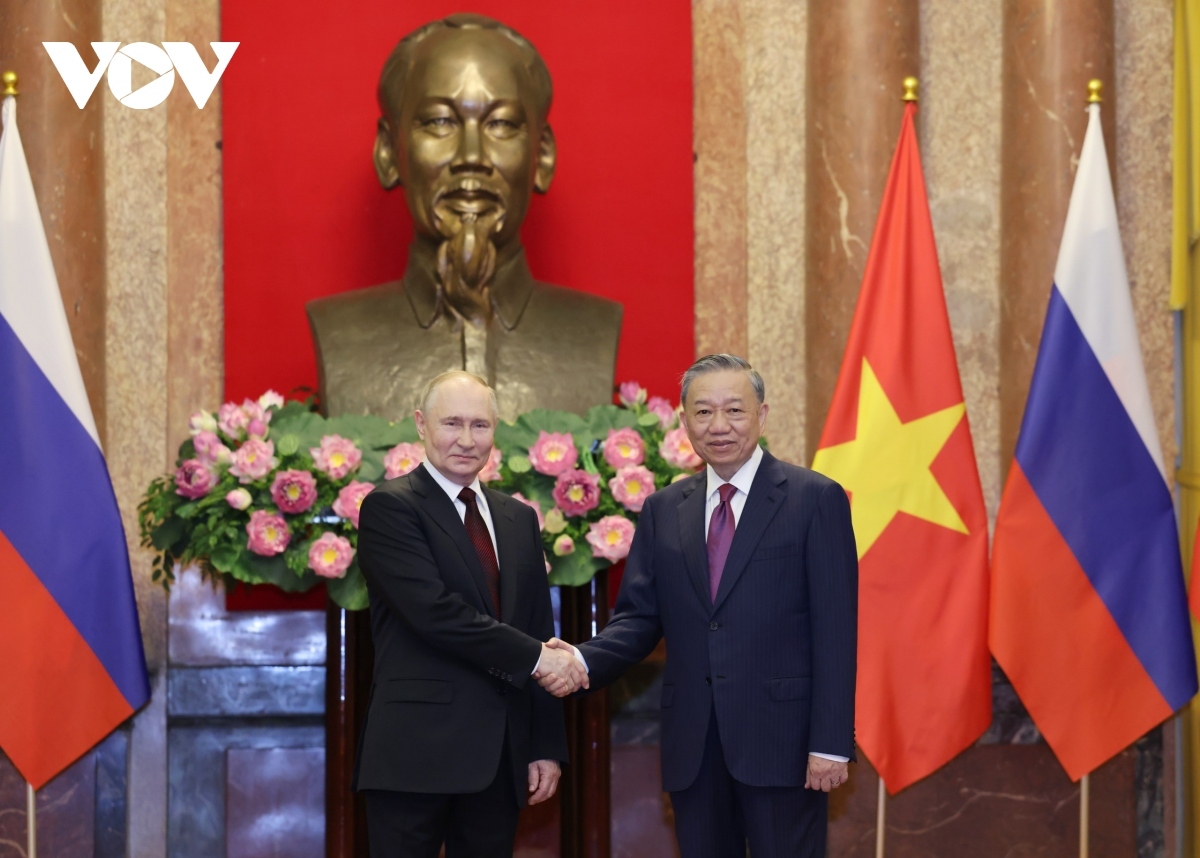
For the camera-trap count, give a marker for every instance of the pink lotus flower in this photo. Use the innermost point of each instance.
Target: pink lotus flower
(337, 456)
(270, 399)
(577, 492)
(610, 537)
(294, 491)
(491, 471)
(194, 479)
(232, 420)
(553, 453)
(662, 409)
(349, 501)
(257, 428)
(534, 505)
(202, 421)
(631, 393)
(253, 460)
(563, 546)
(677, 449)
(401, 459)
(330, 555)
(209, 448)
(624, 447)
(238, 499)
(269, 534)
(631, 486)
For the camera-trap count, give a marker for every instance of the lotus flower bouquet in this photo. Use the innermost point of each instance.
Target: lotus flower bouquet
(269, 491)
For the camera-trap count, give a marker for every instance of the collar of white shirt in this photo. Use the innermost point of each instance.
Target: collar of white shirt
(451, 488)
(743, 479)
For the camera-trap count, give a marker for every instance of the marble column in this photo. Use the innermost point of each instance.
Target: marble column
(65, 150)
(859, 51)
(1051, 51)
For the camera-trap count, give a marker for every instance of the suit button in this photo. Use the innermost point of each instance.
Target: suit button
(714, 625)
(708, 680)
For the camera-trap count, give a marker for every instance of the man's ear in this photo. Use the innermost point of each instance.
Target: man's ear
(547, 156)
(419, 419)
(386, 167)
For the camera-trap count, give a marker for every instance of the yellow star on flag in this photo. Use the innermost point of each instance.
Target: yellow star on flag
(886, 467)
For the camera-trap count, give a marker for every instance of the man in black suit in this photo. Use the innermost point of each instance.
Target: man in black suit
(457, 735)
(749, 571)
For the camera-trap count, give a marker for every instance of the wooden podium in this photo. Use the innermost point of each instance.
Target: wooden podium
(584, 789)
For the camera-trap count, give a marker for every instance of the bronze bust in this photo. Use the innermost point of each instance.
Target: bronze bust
(463, 130)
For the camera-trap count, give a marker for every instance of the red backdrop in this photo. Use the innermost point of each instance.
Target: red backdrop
(305, 216)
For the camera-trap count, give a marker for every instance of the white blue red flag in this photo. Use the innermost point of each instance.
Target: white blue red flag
(1089, 614)
(71, 661)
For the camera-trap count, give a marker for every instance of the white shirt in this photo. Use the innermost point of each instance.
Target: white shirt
(452, 489)
(743, 480)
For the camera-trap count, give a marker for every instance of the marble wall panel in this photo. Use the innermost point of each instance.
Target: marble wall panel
(959, 136)
(199, 692)
(273, 804)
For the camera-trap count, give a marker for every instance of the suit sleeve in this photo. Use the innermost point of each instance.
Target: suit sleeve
(635, 628)
(832, 564)
(395, 558)
(549, 739)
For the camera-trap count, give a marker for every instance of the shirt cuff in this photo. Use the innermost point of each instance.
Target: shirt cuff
(833, 757)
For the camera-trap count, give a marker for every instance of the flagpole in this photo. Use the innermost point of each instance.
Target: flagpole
(1084, 790)
(880, 816)
(30, 820)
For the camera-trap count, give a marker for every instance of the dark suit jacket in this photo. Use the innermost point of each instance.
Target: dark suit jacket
(775, 656)
(451, 678)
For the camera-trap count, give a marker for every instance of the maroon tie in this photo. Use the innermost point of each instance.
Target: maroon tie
(482, 540)
(720, 537)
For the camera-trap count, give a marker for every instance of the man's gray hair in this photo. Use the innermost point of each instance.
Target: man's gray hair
(437, 381)
(716, 363)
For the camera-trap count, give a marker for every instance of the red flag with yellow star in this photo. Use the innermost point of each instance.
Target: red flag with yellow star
(897, 440)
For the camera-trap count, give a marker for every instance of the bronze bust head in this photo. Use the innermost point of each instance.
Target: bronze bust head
(464, 132)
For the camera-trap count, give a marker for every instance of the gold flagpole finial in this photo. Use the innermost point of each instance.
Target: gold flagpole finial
(9, 81)
(911, 85)
(1094, 87)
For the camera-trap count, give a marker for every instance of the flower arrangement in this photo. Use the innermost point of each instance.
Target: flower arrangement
(269, 491)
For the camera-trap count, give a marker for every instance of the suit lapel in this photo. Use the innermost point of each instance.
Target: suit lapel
(691, 535)
(508, 557)
(764, 501)
(441, 509)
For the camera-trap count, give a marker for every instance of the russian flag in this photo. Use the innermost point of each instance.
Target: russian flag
(1089, 613)
(71, 661)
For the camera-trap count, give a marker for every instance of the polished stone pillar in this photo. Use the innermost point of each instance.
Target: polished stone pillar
(1051, 51)
(859, 51)
(65, 150)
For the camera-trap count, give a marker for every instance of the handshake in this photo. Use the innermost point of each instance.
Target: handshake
(559, 671)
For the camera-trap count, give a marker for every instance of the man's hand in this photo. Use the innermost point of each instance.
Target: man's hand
(543, 780)
(558, 670)
(824, 774)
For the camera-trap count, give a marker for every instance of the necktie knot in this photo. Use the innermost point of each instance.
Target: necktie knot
(467, 496)
(728, 490)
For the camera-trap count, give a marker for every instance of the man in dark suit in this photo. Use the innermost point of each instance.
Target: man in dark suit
(749, 571)
(457, 734)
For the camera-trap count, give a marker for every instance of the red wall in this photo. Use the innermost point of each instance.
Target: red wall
(305, 216)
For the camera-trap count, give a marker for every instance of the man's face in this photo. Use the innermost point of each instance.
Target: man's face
(458, 429)
(724, 419)
(467, 137)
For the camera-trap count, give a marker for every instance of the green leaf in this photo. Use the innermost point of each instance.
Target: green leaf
(167, 534)
(648, 419)
(187, 450)
(288, 445)
(187, 510)
(577, 568)
(225, 558)
(520, 465)
(349, 592)
(602, 418)
(274, 570)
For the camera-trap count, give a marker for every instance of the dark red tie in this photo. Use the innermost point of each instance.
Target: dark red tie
(478, 533)
(720, 537)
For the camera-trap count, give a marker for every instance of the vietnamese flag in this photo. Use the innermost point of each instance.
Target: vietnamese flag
(897, 439)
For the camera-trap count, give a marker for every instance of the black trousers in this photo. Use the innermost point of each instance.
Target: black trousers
(717, 815)
(473, 825)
